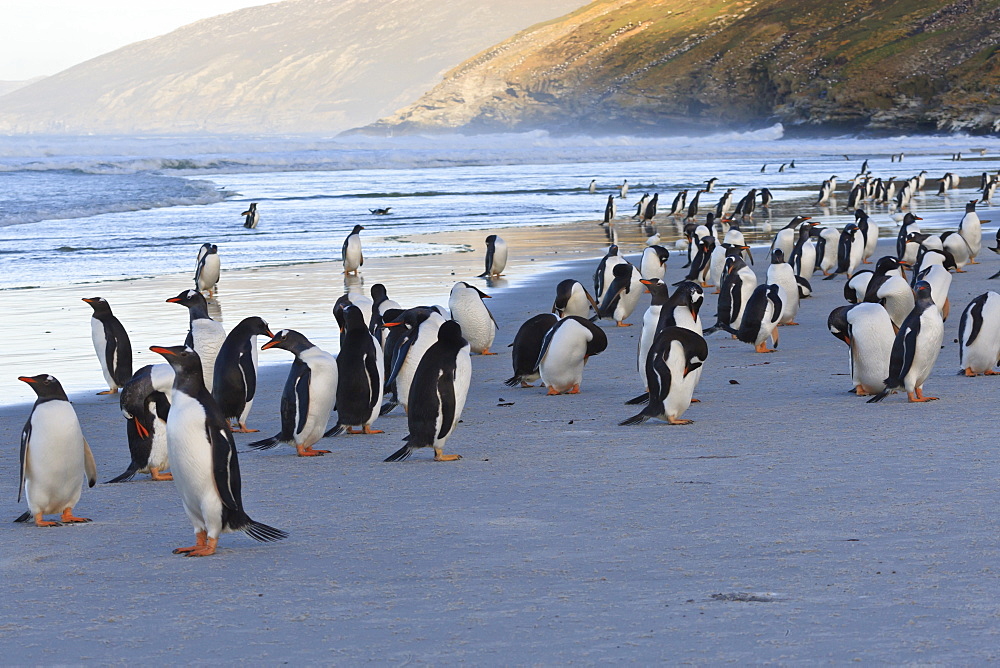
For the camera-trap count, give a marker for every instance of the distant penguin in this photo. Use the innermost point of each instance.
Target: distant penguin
(760, 319)
(526, 347)
(360, 377)
(971, 229)
(565, 350)
(208, 270)
(145, 403)
(234, 382)
(204, 461)
(693, 205)
(781, 273)
(653, 263)
(251, 217)
(437, 395)
(623, 190)
(111, 343)
(915, 348)
(979, 336)
(470, 311)
(725, 204)
(674, 356)
(766, 197)
(649, 210)
(610, 210)
(622, 296)
(592, 188)
(573, 299)
(308, 397)
(496, 257)
(54, 456)
(605, 271)
(205, 335)
(711, 184)
(679, 203)
(351, 251)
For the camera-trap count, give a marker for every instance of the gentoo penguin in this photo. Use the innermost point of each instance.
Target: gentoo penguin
(915, 348)
(803, 257)
(932, 272)
(526, 347)
(649, 210)
(659, 296)
(53, 455)
(355, 297)
(781, 273)
(738, 283)
(205, 335)
(869, 333)
(206, 273)
(825, 190)
(653, 263)
(677, 310)
(679, 203)
(971, 229)
(381, 304)
(610, 210)
(235, 378)
(709, 184)
(437, 395)
(760, 319)
(850, 249)
(747, 205)
(145, 403)
(692, 211)
(906, 250)
(725, 204)
(640, 207)
(869, 230)
(204, 461)
(828, 239)
(622, 296)
(573, 299)
(308, 397)
(413, 332)
(251, 217)
(469, 310)
(955, 245)
(701, 264)
(111, 343)
(857, 286)
(361, 377)
(592, 188)
(351, 252)
(766, 197)
(496, 257)
(785, 238)
(887, 286)
(672, 358)
(979, 335)
(717, 264)
(565, 350)
(605, 271)
(383, 211)
(623, 190)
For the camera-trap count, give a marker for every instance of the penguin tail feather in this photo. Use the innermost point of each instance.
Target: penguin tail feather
(483, 275)
(401, 454)
(635, 419)
(388, 407)
(337, 430)
(265, 444)
(262, 532)
(880, 396)
(124, 477)
(641, 399)
(25, 517)
(831, 277)
(512, 381)
(994, 276)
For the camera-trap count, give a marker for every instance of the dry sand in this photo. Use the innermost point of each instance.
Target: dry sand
(792, 522)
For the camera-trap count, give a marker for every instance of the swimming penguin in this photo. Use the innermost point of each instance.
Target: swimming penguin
(915, 348)
(979, 335)
(573, 299)
(413, 332)
(251, 217)
(111, 343)
(971, 229)
(605, 271)
(760, 320)
(622, 296)
(205, 335)
(351, 252)
(610, 210)
(206, 273)
(438, 394)
(361, 377)
(653, 263)
(496, 257)
(674, 355)
(53, 455)
(384, 211)
(469, 310)
(204, 461)
(235, 377)
(781, 273)
(592, 188)
(309, 394)
(623, 190)
(526, 347)
(145, 403)
(564, 353)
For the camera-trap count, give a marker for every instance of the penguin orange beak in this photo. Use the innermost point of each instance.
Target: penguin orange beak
(173, 300)
(269, 332)
(391, 324)
(89, 300)
(162, 351)
(27, 379)
(917, 218)
(270, 344)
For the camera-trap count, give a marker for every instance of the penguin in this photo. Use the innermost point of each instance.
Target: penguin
(592, 188)
(971, 229)
(828, 239)
(640, 207)
(308, 397)
(955, 245)
(869, 333)
(623, 190)
(605, 271)
(781, 273)
(205, 335)
(622, 296)
(565, 350)
(701, 265)
(653, 263)
(887, 287)
(869, 231)
(725, 204)
(384, 211)
(803, 257)
(850, 249)
(361, 377)
(496, 257)
(111, 343)
(145, 403)
(437, 395)
(785, 238)
(738, 283)
(933, 272)
(355, 297)
(979, 336)
(380, 305)
(711, 184)
(766, 197)
(906, 250)
(251, 217)
(747, 205)
(659, 297)
(526, 347)
(234, 381)
(915, 348)
(760, 320)
(573, 299)
(825, 190)
(204, 461)
(674, 355)
(351, 252)
(692, 211)
(679, 203)
(413, 332)
(857, 286)
(649, 211)
(53, 455)
(206, 273)
(469, 310)
(610, 211)
(717, 263)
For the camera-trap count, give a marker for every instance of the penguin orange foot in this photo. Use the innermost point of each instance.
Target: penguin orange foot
(154, 474)
(574, 390)
(671, 420)
(438, 457)
(205, 551)
(114, 391)
(365, 430)
(552, 392)
(762, 348)
(68, 517)
(623, 324)
(991, 372)
(201, 541)
(309, 452)
(918, 396)
(487, 352)
(39, 522)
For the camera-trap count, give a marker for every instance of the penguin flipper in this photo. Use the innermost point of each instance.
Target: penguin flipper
(89, 465)
(24, 517)
(641, 399)
(401, 454)
(25, 438)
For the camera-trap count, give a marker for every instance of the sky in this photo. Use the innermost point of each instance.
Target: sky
(42, 37)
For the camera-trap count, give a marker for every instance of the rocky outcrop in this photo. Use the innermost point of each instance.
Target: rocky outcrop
(662, 65)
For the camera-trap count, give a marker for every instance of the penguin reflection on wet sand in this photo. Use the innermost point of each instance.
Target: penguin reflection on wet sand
(54, 454)
(437, 394)
(111, 343)
(565, 351)
(496, 257)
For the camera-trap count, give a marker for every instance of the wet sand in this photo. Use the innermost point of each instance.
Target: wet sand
(792, 522)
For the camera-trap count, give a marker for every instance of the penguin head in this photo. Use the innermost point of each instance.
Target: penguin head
(450, 332)
(492, 239)
(971, 206)
(922, 292)
(860, 215)
(657, 288)
(886, 264)
(379, 293)
(99, 304)
(257, 326)
(184, 361)
(357, 228)
(613, 249)
(777, 256)
(837, 323)
(45, 386)
(354, 319)
(188, 298)
(287, 339)
(212, 249)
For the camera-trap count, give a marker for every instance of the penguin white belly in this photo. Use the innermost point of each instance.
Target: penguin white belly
(54, 468)
(651, 267)
(959, 249)
(971, 229)
(871, 346)
(747, 287)
(210, 272)
(562, 365)
(716, 265)
(208, 337)
(784, 276)
(471, 313)
(499, 257)
(898, 297)
(364, 303)
(100, 347)
(609, 276)
(910, 251)
(927, 350)
(857, 253)
(628, 300)
(678, 398)
(807, 265)
(859, 284)
(378, 383)
(425, 339)
(577, 304)
(872, 240)
(463, 378)
(983, 353)
(159, 458)
(767, 325)
(649, 321)
(940, 280)
(785, 241)
(353, 257)
(322, 395)
(191, 463)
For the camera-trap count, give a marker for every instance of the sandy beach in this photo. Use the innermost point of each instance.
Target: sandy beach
(791, 522)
